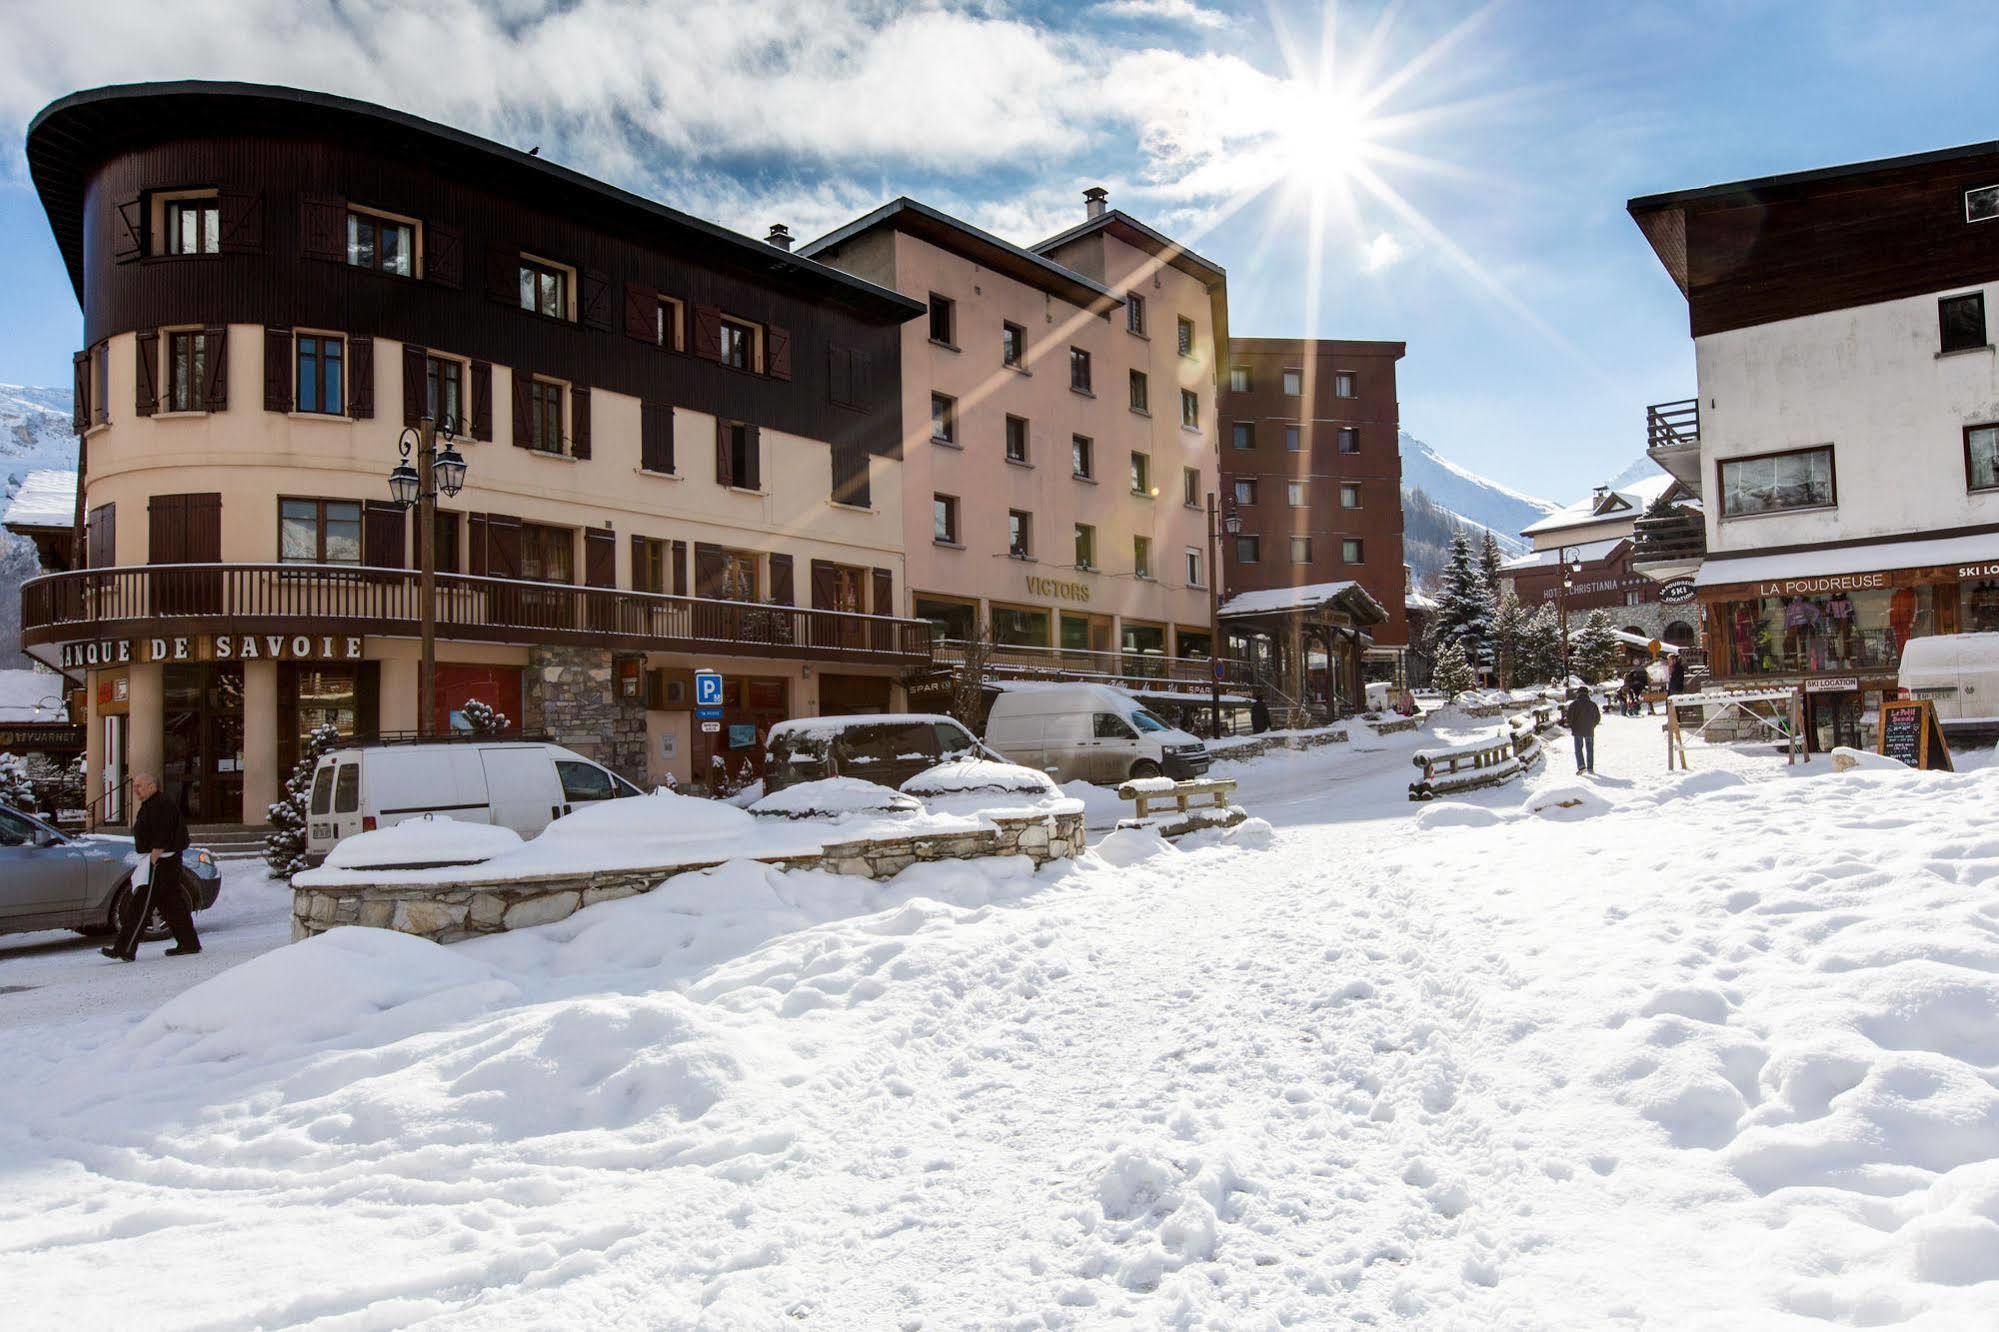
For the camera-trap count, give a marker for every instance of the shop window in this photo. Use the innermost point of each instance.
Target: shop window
(954, 620)
(1836, 628)
(1774, 482)
(1019, 628)
(1981, 457)
(319, 531)
(1961, 322)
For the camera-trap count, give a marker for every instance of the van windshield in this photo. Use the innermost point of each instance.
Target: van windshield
(1145, 721)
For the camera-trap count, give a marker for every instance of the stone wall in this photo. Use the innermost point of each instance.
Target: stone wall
(1265, 744)
(467, 907)
(571, 696)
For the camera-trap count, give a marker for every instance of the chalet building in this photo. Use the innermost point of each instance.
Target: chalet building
(1594, 541)
(1845, 434)
(1059, 410)
(681, 445)
(1311, 474)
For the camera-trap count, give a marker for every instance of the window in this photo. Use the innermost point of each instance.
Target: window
(444, 542)
(1134, 314)
(739, 342)
(1301, 550)
(1981, 457)
(943, 315)
(743, 469)
(1349, 496)
(1774, 482)
(347, 789)
(1294, 439)
(1141, 557)
(1079, 370)
(1141, 397)
(1242, 435)
(1349, 438)
(1239, 379)
(548, 554)
(1295, 494)
(193, 226)
(1110, 726)
(1086, 546)
(1141, 473)
(545, 416)
(1186, 336)
(1350, 551)
(667, 329)
(544, 289)
(1016, 439)
(1961, 322)
(650, 570)
(316, 531)
(1190, 409)
(1981, 204)
(1013, 345)
(383, 244)
(1248, 549)
(1245, 490)
(736, 580)
(1019, 534)
(321, 362)
(187, 371)
(1343, 384)
(1193, 556)
(944, 519)
(1082, 457)
(444, 392)
(1294, 383)
(1190, 487)
(943, 419)
(584, 781)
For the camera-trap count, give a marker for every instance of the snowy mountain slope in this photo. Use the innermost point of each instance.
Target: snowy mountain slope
(1642, 468)
(1477, 499)
(34, 433)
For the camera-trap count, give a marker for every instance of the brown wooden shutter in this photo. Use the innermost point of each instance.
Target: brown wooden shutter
(579, 422)
(443, 255)
(184, 529)
(415, 390)
(128, 232)
(641, 313)
(146, 368)
(781, 590)
(475, 544)
(679, 559)
(79, 403)
(707, 570)
(503, 274)
(101, 544)
(595, 300)
(708, 332)
(503, 546)
(215, 372)
(277, 370)
(482, 401)
(850, 475)
(600, 558)
(656, 436)
(882, 602)
(723, 475)
(361, 378)
(204, 528)
(825, 586)
(863, 379)
(322, 229)
(383, 535)
(777, 352)
(639, 565)
(754, 457)
(242, 230)
(523, 411)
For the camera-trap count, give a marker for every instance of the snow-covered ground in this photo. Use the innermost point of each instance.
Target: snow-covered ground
(1710, 1050)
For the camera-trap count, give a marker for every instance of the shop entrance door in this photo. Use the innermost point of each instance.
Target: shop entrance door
(113, 776)
(1832, 720)
(203, 742)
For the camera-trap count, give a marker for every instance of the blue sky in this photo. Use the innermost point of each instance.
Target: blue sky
(1448, 175)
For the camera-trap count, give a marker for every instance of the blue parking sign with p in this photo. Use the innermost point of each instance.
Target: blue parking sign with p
(707, 689)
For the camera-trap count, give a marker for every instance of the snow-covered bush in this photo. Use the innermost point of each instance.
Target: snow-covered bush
(16, 788)
(1452, 674)
(484, 718)
(284, 846)
(1594, 650)
(836, 798)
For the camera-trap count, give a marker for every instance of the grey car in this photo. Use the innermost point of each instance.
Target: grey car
(52, 881)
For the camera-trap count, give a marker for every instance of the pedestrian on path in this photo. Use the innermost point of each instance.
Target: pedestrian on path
(159, 833)
(1676, 675)
(1583, 715)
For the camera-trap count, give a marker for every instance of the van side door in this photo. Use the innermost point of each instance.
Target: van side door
(521, 787)
(1112, 746)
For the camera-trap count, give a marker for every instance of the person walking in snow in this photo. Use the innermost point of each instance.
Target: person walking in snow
(160, 834)
(1676, 675)
(1583, 715)
(1259, 715)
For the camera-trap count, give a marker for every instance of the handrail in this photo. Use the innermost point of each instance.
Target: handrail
(1107, 663)
(1673, 425)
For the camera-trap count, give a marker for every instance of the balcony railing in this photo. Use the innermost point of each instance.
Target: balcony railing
(1679, 538)
(1673, 425)
(343, 599)
(1132, 669)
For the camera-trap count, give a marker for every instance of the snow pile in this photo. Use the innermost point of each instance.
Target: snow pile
(1451, 814)
(972, 775)
(1573, 801)
(836, 800)
(433, 839)
(1848, 759)
(1102, 806)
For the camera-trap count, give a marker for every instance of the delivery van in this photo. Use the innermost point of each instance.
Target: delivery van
(1090, 732)
(1959, 673)
(520, 784)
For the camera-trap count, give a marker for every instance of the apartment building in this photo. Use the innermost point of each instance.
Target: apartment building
(681, 448)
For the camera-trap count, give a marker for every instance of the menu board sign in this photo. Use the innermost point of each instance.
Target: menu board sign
(1910, 732)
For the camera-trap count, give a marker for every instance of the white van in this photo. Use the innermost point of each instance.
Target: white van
(1092, 732)
(1957, 672)
(520, 784)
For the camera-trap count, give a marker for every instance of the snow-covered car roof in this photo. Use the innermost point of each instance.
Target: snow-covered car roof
(834, 797)
(827, 727)
(960, 776)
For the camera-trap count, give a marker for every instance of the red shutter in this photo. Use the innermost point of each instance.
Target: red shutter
(600, 558)
(215, 375)
(754, 451)
(475, 544)
(883, 600)
(679, 553)
(415, 391)
(596, 299)
(781, 590)
(361, 378)
(443, 255)
(242, 223)
(523, 411)
(707, 570)
(128, 232)
(825, 586)
(277, 370)
(656, 436)
(708, 332)
(777, 352)
(79, 403)
(579, 422)
(482, 401)
(503, 546)
(641, 313)
(322, 229)
(383, 530)
(723, 476)
(503, 274)
(146, 370)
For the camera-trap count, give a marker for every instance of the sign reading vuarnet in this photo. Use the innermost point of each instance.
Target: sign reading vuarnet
(211, 647)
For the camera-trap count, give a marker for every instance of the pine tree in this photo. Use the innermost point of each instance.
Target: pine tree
(1464, 606)
(16, 788)
(284, 845)
(1541, 647)
(1509, 639)
(1488, 566)
(1594, 649)
(484, 719)
(1452, 674)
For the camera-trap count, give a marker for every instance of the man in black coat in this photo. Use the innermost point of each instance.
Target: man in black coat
(1259, 715)
(160, 834)
(1583, 716)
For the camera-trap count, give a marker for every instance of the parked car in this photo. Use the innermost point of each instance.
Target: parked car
(1959, 673)
(1092, 732)
(886, 748)
(52, 881)
(520, 784)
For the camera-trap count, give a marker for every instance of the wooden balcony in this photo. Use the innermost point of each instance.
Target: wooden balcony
(1669, 546)
(1673, 439)
(1128, 670)
(187, 599)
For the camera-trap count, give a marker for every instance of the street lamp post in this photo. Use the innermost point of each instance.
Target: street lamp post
(1567, 571)
(438, 468)
(1216, 521)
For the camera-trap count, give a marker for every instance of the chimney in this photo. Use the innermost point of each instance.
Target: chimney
(1095, 200)
(780, 236)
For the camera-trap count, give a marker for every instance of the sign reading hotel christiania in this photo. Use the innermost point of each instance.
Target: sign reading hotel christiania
(211, 647)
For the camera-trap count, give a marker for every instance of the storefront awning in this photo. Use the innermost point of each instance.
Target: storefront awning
(1933, 552)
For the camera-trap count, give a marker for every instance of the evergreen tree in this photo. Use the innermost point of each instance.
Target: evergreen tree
(1464, 606)
(1541, 647)
(484, 719)
(1509, 639)
(284, 845)
(1594, 649)
(16, 788)
(1488, 566)
(1452, 674)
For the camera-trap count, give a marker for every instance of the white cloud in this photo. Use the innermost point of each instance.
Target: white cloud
(1381, 252)
(1168, 11)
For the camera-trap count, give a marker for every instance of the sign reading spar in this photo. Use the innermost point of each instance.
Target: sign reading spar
(211, 647)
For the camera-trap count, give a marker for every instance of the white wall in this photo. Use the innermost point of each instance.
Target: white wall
(1868, 381)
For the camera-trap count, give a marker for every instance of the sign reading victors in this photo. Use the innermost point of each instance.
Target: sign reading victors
(211, 647)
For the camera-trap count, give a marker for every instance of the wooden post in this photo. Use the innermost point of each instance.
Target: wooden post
(426, 535)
